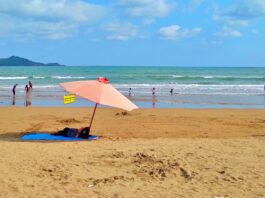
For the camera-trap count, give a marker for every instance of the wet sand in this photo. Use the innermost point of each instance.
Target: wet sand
(144, 153)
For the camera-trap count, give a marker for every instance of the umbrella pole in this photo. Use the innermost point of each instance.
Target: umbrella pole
(90, 125)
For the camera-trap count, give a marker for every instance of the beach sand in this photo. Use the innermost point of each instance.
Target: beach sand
(143, 153)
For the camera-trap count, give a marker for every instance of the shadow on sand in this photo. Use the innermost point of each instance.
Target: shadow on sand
(15, 137)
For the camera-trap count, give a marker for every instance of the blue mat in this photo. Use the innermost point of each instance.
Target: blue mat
(48, 136)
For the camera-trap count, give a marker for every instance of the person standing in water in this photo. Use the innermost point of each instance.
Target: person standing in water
(153, 92)
(171, 92)
(130, 92)
(14, 89)
(14, 94)
(30, 86)
(27, 90)
(153, 97)
(27, 98)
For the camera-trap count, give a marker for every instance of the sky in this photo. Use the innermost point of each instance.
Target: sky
(227, 33)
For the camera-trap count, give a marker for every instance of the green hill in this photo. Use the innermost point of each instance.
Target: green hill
(18, 61)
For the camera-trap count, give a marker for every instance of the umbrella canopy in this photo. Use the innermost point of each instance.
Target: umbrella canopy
(99, 91)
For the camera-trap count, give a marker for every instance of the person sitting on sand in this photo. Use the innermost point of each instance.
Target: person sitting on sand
(73, 132)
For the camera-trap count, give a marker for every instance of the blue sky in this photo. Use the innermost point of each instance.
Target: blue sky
(135, 32)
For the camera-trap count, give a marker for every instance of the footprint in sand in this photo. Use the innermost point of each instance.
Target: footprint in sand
(69, 121)
(110, 180)
(36, 127)
(124, 113)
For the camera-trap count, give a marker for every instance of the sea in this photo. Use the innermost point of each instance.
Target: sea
(193, 87)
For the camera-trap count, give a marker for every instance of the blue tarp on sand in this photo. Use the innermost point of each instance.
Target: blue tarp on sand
(50, 137)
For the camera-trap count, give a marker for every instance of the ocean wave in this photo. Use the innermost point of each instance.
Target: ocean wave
(13, 77)
(45, 86)
(68, 77)
(224, 78)
(39, 77)
(194, 88)
(161, 89)
(178, 76)
(34, 86)
(163, 85)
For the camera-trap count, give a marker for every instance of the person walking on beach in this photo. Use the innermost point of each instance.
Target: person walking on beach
(30, 86)
(14, 89)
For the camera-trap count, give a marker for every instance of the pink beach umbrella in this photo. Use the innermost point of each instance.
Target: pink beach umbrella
(99, 91)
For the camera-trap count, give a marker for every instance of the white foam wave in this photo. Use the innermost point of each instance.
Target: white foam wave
(163, 89)
(208, 77)
(13, 77)
(178, 76)
(34, 86)
(68, 77)
(194, 89)
(219, 77)
(45, 86)
(189, 85)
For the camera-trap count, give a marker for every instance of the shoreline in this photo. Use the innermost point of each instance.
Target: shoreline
(189, 102)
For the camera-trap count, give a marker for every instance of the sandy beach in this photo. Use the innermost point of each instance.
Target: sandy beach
(143, 153)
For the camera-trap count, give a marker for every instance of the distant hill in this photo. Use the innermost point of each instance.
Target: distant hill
(18, 61)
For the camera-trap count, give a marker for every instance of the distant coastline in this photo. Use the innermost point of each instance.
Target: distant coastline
(18, 61)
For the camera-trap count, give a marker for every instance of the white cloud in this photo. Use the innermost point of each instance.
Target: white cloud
(229, 32)
(176, 32)
(246, 9)
(146, 8)
(75, 10)
(228, 21)
(241, 12)
(120, 31)
(47, 18)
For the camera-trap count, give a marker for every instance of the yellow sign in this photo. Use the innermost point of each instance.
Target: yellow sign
(68, 99)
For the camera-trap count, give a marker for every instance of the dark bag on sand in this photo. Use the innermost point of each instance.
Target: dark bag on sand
(67, 132)
(84, 133)
(72, 132)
